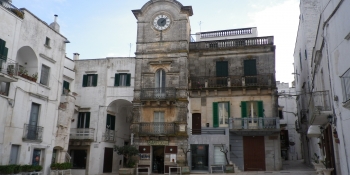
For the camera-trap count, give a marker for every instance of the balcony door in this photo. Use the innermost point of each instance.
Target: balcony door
(160, 84)
(250, 72)
(252, 114)
(196, 124)
(83, 124)
(33, 121)
(158, 121)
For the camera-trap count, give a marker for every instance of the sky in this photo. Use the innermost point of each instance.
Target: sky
(107, 28)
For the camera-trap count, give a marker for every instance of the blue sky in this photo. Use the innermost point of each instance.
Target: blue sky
(106, 28)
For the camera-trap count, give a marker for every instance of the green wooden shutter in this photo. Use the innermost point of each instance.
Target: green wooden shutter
(116, 79)
(221, 68)
(228, 109)
(108, 122)
(260, 109)
(85, 80)
(87, 118)
(128, 78)
(2, 46)
(5, 53)
(112, 123)
(94, 80)
(215, 115)
(80, 120)
(250, 67)
(244, 109)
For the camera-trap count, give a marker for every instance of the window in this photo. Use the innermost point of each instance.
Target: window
(345, 81)
(3, 52)
(250, 72)
(14, 154)
(54, 156)
(37, 154)
(45, 71)
(280, 113)
(90, 80)
(79, 158)
(301, 66)
(65, 86)
(305, 54)
(4, 88)
(47, 41)
(110, 124)
(221, 68)
(158, 122)
(160, 79)
(221, 114)
(33, 123)
(252, 109)
(122, 79)
(83, 120)
(219, 157)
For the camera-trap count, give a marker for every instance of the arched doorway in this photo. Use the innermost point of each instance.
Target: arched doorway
(27, 61)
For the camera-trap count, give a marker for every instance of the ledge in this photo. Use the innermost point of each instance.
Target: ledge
(47, 58)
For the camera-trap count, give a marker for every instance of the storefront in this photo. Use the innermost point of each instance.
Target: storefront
(199, 157)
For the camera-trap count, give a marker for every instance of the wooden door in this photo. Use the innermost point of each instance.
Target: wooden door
(196, 124)
(254, 153)
(108, 160)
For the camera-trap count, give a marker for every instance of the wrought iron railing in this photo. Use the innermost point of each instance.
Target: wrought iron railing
(12, 8)
(82, 133)
(321, 100)
(156, 128)
(345, 81)
(8, 67)
(208, 131)
(256, 123)
(232, 81)
(33, 132)
(221, 33)
(109, 135)
(158, 93)
(257, 41)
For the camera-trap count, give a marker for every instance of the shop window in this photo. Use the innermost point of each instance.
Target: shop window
(219, 157)
(79, 158)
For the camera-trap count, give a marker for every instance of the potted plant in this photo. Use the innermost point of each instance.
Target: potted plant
(35, 77)
(328, 170)
(128, 152)
(7, 169)
(316, 162)
(185, 168)
(17, 169)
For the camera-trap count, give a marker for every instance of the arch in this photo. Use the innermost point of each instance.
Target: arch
(149, 3)
(160, 78)
(27, 59)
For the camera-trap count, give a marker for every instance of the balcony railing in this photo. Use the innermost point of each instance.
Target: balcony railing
(8, 67)
(222, 33)
(266, 80)
(321, 100)
(157, 128)
(345, 81)
(257, 41)
(158, 93)
(12, 8)
(33, 132)
(109, 135)
(208, 131)
(258, 123)
(82, 133)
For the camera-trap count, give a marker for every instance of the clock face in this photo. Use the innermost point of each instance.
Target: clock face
(161, 22)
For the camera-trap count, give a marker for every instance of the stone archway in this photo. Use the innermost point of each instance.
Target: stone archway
(27, 60)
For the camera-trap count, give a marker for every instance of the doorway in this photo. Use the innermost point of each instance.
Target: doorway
(196, 124)
(108, 160)
(199, 157)
(254, 153)
(158, 159)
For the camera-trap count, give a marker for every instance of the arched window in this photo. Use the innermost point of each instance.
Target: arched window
(160, 79)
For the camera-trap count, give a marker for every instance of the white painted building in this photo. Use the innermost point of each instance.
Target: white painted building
(104, 92)
(287, 110)
(325, 113)
(30, 87)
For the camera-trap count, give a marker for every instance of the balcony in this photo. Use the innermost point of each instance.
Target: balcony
(209, 131)
(82, 134)
(32, 133)
(8, 69)
(321, 108)
(223, 33)
(159, 129)
(265, 80)
(158, 93)
(254, 126)
(12, 8)
(232, 43)
(109, 135)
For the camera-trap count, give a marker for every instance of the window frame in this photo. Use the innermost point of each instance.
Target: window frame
(125, 82)
(85, 118)
(160, 79)
(216, 114)
(93, 82)
(47, 41)
(45, 77)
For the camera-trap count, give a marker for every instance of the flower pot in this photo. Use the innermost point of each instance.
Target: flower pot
(229, 169)
(327, 171)
(185, 170)
(126, 171)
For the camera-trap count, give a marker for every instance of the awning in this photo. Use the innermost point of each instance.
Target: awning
(314, 131)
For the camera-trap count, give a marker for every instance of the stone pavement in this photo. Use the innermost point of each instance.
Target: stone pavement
(292, 167)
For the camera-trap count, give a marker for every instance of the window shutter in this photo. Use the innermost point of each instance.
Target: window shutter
(221, 68)
(108, 122)
(2, 46)
(228, 109)
(5, 53)
(85, 80)
(116, 79)
(87, 123)
(250, 67)
(94, 80)
(215, 115)
(128, 78)
(260, 109)
(80, 120)
(244, 109)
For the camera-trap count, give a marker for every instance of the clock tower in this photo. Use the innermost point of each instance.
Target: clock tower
(160, 102)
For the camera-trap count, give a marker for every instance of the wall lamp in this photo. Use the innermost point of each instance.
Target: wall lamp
(330, 119)
(171, 149)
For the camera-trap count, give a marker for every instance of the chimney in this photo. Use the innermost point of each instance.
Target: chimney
(76, 56)
(55, 25)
